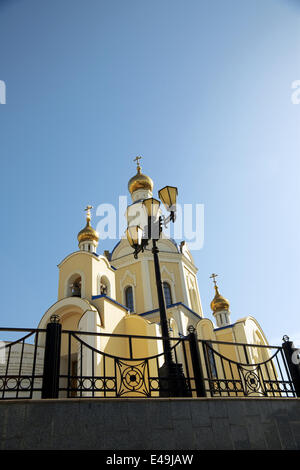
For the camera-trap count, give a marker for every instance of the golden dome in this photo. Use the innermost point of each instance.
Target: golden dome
(140, 181)
(219, 302)
(88, 232)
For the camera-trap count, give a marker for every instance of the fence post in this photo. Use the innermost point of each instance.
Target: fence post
(293, 362)
(52, 359)
(196, 362)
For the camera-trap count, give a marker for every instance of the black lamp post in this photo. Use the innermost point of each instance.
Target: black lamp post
(171, 374)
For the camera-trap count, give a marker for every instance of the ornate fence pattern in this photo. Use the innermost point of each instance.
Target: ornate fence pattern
(88, 371)
(246, 370)
(59, 363)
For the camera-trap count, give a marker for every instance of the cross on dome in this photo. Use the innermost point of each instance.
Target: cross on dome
(213, 277)
(88, 212)
(137, 160)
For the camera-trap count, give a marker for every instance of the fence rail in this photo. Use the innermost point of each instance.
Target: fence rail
(64, 363)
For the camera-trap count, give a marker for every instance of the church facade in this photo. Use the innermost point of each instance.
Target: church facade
(114, 293)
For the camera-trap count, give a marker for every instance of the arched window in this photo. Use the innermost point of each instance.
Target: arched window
(76, 287)
(129, 298)
(104, 286)
(167, 292)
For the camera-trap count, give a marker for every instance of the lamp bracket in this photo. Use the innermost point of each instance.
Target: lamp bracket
(166, 220)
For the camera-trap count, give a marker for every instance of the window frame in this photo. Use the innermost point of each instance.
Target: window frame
(168, 286)
(126, 290)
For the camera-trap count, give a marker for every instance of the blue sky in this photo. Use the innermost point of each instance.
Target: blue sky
(201, 89)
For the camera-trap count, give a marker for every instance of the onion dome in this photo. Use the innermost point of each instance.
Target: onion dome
(219, 302)
(88, 233)
(140, 181)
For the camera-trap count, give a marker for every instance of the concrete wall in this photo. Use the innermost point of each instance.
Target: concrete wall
(154, 424)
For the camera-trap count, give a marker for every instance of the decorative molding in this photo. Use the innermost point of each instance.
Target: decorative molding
(130, 275)
(148, 301)
(170, 275)
(183, 284)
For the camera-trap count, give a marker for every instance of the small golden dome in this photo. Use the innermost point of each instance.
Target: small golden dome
(219, 302)
(140, 181)
(88, 232)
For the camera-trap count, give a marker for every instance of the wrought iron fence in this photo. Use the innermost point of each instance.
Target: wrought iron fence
(125, 365)
(21, 365)
(62, 363)
(237, 369)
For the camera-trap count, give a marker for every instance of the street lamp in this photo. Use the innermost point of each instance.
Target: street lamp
(170, 372)
(168, 196)
(134, 236)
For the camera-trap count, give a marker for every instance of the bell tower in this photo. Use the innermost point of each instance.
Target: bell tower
(136, 286)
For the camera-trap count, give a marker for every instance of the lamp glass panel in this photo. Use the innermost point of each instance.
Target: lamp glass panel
(168, 196)
(152, 207)
(134, 235)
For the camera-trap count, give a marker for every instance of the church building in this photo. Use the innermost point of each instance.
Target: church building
(115, 293)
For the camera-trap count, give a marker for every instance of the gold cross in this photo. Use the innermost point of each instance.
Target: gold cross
(88, 212)
(137, 160)
(213, 277)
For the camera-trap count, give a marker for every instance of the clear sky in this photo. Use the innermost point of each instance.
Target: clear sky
(201, 89)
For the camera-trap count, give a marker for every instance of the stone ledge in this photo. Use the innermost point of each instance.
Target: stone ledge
(153, 424)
